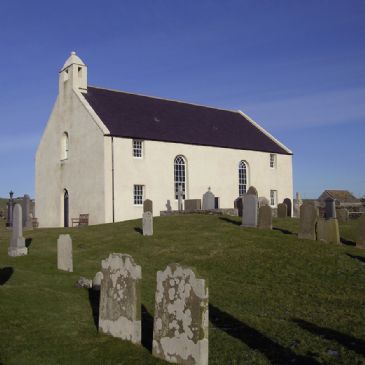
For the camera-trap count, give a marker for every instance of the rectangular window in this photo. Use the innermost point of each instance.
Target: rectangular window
(273, 197)
(272, 160)
(138, 193)
(137, 148)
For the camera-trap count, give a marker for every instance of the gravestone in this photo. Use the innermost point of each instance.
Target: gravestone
(263, 201)
(282, 210)
(342, 214)
(148, 206)
(168, 206)
(96, 283)
(147, 224)
(308, 221)
(208, 200)
(252, 190)
(180, 331)
(64, 253)
(287, 202)
(297, 203)
(238, 204)
(192, 204)
(265, 217)
(330, 208)
(17, 242)
(10, 206)
(120, 298)
(328, 231)
(360, 236)
(180, 198)
(27, 221)
(249, 213)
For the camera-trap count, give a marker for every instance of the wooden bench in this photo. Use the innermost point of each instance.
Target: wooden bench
(83, 220)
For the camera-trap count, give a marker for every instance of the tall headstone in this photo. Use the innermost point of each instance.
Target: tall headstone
(148, 206)
(328, 231)
(287, 202)
(238, 204)
(147, 224)
(120, 298)
(265, 217)
(180, 198)
(17, 242)
(252, 190)
(64, 253)
(282, 210)
(180, 331)
(27, 220)
(308, 221)
(208, 200)
(10, 206)
(249, 213)
(360, 236)
(330, 208)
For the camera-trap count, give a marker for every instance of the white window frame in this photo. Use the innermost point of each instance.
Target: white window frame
(138, 194)
(180, 174)
(64, 146)
(137, 148)
(273, 198)
(273, 160)
(242, 177)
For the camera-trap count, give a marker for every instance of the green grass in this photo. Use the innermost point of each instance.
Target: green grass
(274, 298)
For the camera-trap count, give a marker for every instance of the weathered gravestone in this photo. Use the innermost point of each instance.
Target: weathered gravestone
(208, 200)
(147, 224)
(238, 204)
(192, 204)
(263, 201)
(147, 206)
(330, 208)
(252, 190)
(249, 213)
(308, 221)
(120, 298)
(168, 206)
(180, 195)
(64, 253)
(287, 202)
(342, 214)
(265, 217)
(282, 210)
(360, 236)
(328, 231)
(17, 242)
(10, 208)
(27, 220)
(180, 331)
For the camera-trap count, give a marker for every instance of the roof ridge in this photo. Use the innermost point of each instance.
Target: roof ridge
(161, 98)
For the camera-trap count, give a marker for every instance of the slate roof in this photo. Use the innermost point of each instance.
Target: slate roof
(144, 117)
(343, 196)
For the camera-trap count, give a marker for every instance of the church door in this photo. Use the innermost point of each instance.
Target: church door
(65, 209)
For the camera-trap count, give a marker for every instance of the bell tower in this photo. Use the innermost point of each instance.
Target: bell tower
(73, 74)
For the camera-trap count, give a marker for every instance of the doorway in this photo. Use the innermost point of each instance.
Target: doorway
(65, 209)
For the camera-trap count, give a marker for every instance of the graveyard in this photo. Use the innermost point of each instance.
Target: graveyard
(273, 298)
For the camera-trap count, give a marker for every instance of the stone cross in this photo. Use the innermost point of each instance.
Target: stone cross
(282, 210)
(330, 208)
(360, 236)
(180, 198)
(17, 242)
(328, 231)
(180, 330)
(147, 206)
(120, 298)
(64, 253)
(27, 221)
(208, 200)
(265, 217)
(308, 220)
(147, 224)
(249, 213)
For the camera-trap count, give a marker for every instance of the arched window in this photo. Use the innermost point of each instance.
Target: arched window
(242, 178)
(64, 146)
(180, 175)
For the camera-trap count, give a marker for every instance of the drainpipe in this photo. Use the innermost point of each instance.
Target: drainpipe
(113, 180)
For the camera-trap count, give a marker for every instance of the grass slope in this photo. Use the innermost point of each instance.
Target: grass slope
(273, 298)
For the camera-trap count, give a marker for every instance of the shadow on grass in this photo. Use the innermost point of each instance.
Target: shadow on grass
(138, 230)
(5, 274)
(94, 299)
(285, 231)
(28, 242)
(358, 258)
(350, 342)
(274, 352)
(347, 242)
(147, 329)
(232, 221)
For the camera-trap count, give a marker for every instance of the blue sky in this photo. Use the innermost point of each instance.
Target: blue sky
(296, 67)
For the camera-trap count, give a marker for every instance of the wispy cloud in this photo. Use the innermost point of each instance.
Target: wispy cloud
(327, 108)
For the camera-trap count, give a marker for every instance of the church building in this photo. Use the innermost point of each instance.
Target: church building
(103, 152)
